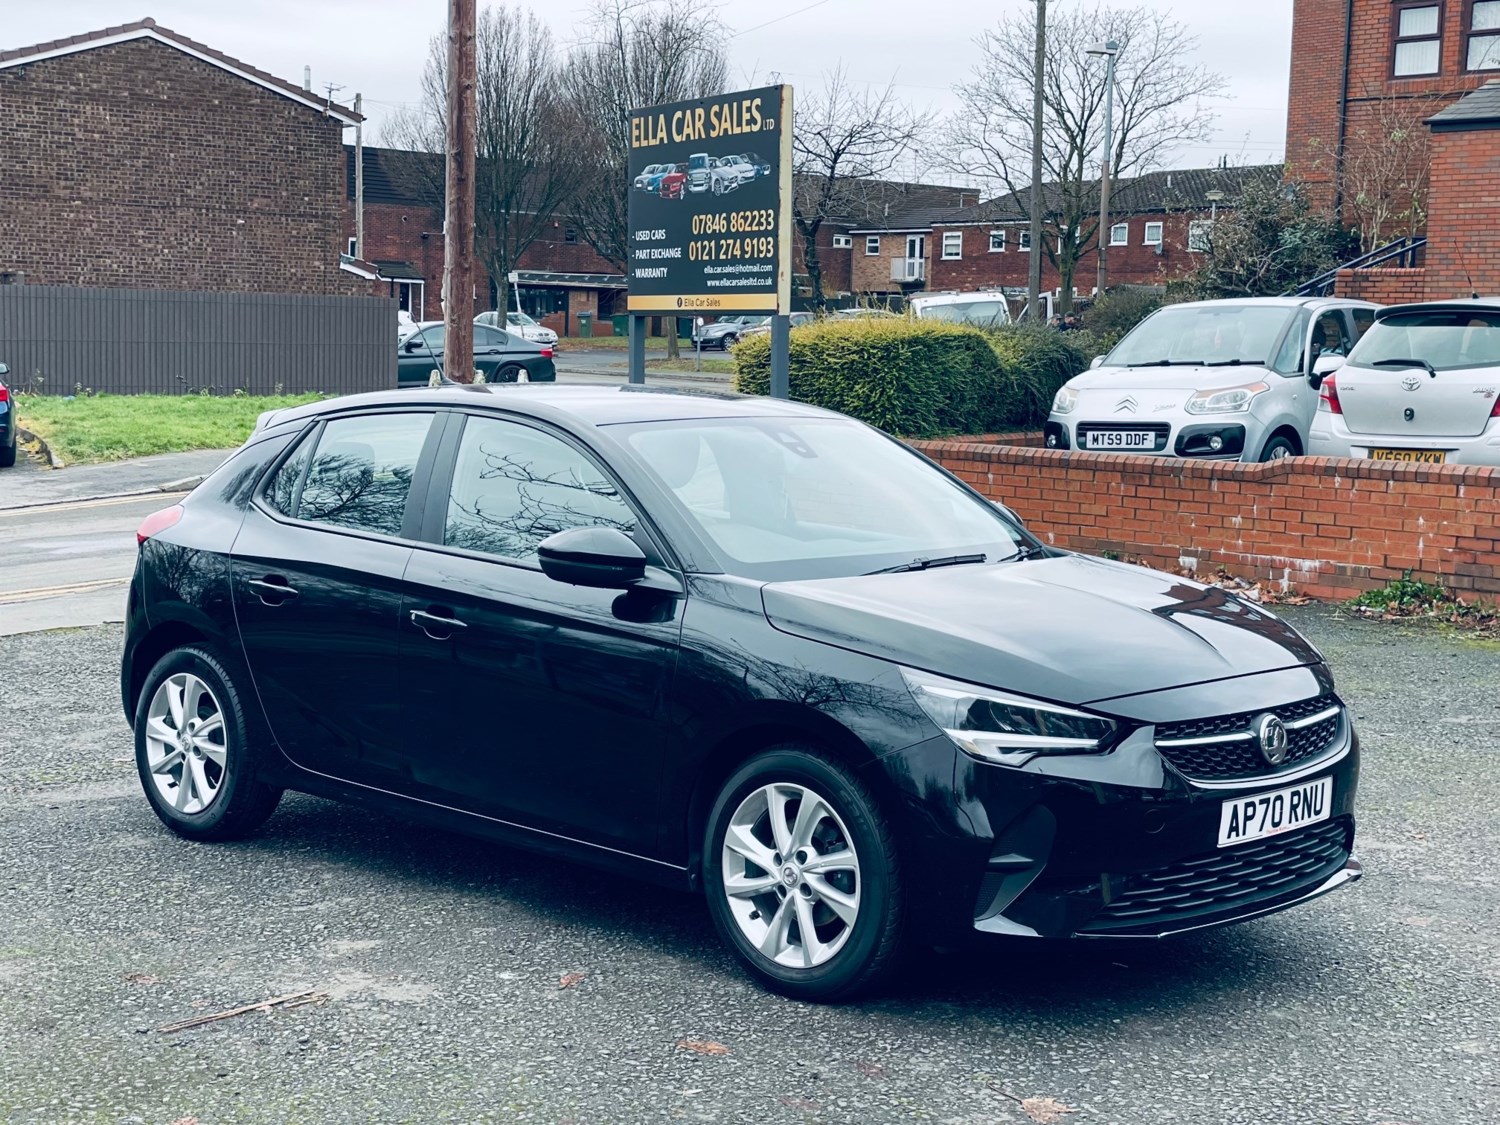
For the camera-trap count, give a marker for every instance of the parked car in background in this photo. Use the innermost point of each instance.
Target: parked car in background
(522, 325)
(725, 332)
(862, 312)
(674, 183)
(1423, 384)
(729, 645)
(1231, 379)
(502, 356)
(8, 423)
(650, 177)
(405, 325)
(981, 308)
(797, 319)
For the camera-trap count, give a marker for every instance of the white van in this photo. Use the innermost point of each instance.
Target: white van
(982, 308)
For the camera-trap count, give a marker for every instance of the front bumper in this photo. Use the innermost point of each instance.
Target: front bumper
(1207, 436)
(1330, 436)
(1122, 845)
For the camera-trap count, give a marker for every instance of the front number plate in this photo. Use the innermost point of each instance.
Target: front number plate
(1119, 439)
(1270, 814)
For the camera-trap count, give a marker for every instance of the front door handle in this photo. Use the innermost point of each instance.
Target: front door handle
(272, 589)
(435, 625)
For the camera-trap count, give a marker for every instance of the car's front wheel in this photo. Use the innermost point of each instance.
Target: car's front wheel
(729, 341)
(1278, 447)
(198, 753)
(802, 875)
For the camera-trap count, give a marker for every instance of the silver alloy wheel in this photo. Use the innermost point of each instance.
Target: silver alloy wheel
(187, 748)
(791, 875)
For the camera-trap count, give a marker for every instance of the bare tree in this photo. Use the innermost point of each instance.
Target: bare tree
(636, 53)
(1159, 105)
(527, 163)
(846, 141)
(1384, 166)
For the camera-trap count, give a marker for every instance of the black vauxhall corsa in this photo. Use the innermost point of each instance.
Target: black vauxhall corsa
(731, 644)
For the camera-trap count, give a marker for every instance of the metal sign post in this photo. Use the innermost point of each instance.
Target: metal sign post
(711, 215)
(781, 334)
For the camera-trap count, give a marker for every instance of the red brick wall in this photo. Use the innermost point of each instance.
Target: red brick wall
(1463, 222)
(1383, 286)
(1132, 264)
(1328, 528)
(837, 263)
(1316, 87)
(139, 166)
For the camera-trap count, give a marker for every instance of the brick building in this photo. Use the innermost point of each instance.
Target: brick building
(135, 157)
(1363, 69)
(1157, 220)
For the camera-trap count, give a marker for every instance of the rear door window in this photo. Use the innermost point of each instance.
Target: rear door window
(359, 476)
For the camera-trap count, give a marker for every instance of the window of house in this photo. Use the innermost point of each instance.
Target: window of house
(353, 243)
(953, 244)
(570, 234)
(872, 244)
(1023, 240)
(842, 242)
(1200, 236)
(361, 472)
(513, 486)
(1484, 35)
(1119, 234)
(1153, 234)
(1418, 39)
(997, 242)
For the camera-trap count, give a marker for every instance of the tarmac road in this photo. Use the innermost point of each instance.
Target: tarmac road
(441, 959)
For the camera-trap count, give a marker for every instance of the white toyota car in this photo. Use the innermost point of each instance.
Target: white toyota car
(1423, 385)
(1232, 379)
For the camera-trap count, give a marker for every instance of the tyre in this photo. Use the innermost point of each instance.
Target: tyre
(7, 455)
(198, 753)
(802, 876)
(510, 373)
(1278, 447)
(729, 341)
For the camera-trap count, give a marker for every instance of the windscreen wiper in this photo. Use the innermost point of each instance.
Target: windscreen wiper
(1170, 363)
(1029, 551)
(1422, 363)
(931, 564)
(1232, 362)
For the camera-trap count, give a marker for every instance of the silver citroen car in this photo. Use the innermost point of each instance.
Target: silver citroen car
(1231, 380)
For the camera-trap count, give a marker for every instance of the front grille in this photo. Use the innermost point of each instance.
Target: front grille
(1159, 431)
(1227, 881)
(1240, 757)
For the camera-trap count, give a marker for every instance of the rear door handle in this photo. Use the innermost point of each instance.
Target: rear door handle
(436, 626)
(272, 589)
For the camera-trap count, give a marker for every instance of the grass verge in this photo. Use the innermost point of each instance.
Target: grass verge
(1408, 598)
(114, 427)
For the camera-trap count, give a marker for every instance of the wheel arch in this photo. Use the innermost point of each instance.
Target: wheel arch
(1288, 431)
(159, 640)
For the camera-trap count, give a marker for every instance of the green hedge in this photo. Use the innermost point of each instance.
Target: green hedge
(919, 378)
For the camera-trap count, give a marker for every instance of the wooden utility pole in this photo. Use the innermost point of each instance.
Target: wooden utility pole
(458, 216)
(1039, 74)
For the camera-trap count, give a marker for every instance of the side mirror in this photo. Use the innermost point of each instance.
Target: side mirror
(602, 557)
(4, 370)
(1324, 366)
(1098, 362)
(412, 344)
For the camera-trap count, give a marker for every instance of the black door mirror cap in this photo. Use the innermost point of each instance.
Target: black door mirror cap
(601, 557)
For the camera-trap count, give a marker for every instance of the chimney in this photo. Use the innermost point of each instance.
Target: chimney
(307, 78)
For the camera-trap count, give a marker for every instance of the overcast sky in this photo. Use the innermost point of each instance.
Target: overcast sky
(377, 47)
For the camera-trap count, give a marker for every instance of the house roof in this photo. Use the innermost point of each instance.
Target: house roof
(395, 175)
(1178, 189)
(149, 29)
(1482, 107)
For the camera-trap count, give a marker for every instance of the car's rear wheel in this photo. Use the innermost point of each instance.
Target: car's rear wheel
(1278, 447)
(8, 454)
(802, 875)
(511, 373)
(198, 753)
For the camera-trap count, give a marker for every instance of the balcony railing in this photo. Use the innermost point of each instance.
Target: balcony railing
(908, 269)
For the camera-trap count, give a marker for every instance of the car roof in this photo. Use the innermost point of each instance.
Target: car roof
(1279, 302)
(564, 403)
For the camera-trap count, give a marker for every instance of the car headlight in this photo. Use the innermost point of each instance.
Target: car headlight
(1064, 401)
(995, 726)
(1231, 400)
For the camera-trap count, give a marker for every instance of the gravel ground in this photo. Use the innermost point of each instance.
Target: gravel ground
(441, 959)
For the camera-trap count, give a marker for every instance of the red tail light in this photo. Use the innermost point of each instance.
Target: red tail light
(1495, 413)
(1328, 396)
(4, 393)
(157, 522)
(546, 351)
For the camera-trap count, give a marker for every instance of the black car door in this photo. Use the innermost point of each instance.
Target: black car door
(316, 573)
(418, 356)
(529, 700)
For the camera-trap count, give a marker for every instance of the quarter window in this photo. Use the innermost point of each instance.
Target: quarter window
(361, 472)
(513, 486)
(281, 491)
(1484, 35)
(997, 242)
(1418, 40)
(953, 244)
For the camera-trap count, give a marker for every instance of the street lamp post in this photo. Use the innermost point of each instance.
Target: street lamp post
(1214, 198)
(1110, 50)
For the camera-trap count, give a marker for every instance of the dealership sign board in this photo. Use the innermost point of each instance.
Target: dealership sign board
(711, 205)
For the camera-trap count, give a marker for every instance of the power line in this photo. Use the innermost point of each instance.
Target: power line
(778, 19)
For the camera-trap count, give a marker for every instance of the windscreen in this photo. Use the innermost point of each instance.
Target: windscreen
(1447, 339)
(1197, 334)
(982, 313)
(783, 498)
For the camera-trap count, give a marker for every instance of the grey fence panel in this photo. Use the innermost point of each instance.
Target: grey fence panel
(70, 339)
